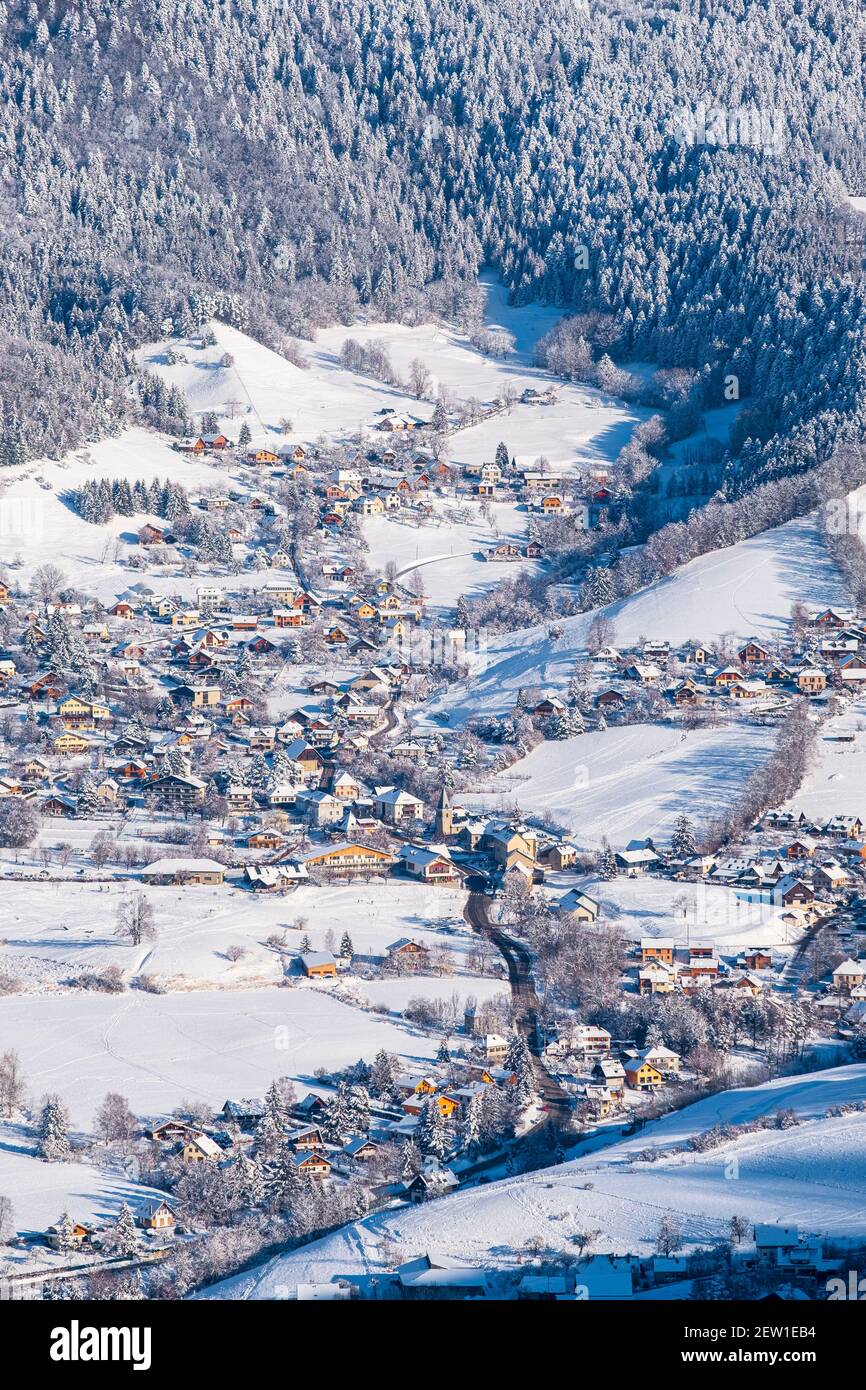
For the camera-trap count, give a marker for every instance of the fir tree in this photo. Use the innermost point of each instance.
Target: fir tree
(53, 1135)
(124, 1237)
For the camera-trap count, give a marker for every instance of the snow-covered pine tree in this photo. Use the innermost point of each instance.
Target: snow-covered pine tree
(53, 1134)
(124, 1237)
(683, 842)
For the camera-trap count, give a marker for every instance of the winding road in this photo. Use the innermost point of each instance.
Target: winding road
(518, 959)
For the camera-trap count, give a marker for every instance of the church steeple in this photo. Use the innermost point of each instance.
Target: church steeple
(444, 814)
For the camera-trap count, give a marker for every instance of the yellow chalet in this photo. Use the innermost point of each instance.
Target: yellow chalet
(68, 744)
(347, 858)
(642, 1075)
(75, 713)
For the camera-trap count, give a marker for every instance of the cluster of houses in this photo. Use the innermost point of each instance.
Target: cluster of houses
(600, 1071)
(832, 657)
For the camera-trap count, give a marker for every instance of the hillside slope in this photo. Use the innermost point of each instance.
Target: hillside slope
(813, 1174)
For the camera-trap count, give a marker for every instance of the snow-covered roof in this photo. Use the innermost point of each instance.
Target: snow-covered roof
(186, 866)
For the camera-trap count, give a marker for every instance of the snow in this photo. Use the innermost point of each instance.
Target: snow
(262, 387)
(157, 1050)
(449, 554)
(41, 1192)
(685, 912)
(56, 928)
(836, 783)
(744, 590)
(628, 782)
(812, 1176)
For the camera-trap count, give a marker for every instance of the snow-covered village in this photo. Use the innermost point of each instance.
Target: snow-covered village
(432, 689)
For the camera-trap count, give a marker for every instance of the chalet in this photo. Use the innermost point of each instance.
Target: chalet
(495, 1047)
(686, 693)
(429, 865)
(636, 862)
(395, 806)
(549, 705)
(151, 535)
(802, 848)
(645, 672)
(246, 1114)
(319, 965)
(65, 1234)
(560, 855)
(310, 1106)
(198, 1148)
(793, 891)
(743, 984)
(753, 651)
(725, 675)
(406, 949)
(433, 1181)
(578, 905)
(641, 1075)
(607, 1071)
(313, 1165)
(306, 1138)
(848, 975)
(754, 958)
(610, 699)
(123, 610)
(75, 713)
(157, 1216)
(662, 1058)
(264, 839)
(184, 871)
(68, 745)
(747, 690)
(657, 978)
(778, 672)
(169, 1131)
(853, 669)
(831, 877)
(831, 617)
(360, 1149)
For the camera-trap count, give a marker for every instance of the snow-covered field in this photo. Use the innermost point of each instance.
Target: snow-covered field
(157, 1050)
(449, 554)
(685, 911)
(264, 388)
(40, 1192)
(52, 928)
(630, 782)
(836, 784)
(812, 1175)
(743, 590)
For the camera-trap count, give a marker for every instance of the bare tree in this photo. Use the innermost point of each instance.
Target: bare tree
(7, 1220)
(115, 1121)
(47, 582)
(420, 379)
(12, 1088)
(135, 919)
